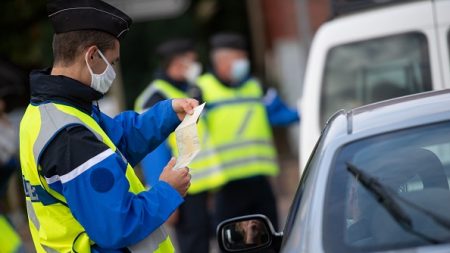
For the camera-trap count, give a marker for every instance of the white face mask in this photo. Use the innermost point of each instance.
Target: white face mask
(193, 71)
(240, 69)
(102, 82)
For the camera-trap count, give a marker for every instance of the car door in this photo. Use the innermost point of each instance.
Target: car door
(294, 236)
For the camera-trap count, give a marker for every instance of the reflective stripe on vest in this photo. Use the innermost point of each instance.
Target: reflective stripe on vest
(239, 129)
(205, 168)
(52, 225)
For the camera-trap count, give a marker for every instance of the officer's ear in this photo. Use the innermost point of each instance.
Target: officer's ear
(90, 53)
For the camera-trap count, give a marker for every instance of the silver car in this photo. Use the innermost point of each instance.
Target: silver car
(377, 181)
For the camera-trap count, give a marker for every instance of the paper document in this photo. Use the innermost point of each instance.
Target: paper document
(187, 138)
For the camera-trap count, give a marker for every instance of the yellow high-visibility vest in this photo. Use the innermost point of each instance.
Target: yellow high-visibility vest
(205, 168)
(10, 241)
(52, 225)
(238, 128)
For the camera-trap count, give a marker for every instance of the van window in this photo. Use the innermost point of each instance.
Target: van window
(373, 70)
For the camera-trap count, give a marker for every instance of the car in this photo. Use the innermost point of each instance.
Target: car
(377, 181)
(369, 51)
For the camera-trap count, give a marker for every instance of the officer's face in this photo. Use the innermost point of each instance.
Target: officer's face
(223, 60)
(179, 65)
(92, 57)
(186, 61)
(97, 64)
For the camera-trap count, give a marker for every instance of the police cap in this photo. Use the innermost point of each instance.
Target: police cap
(75, 15)
(174, 47)
(228, 40)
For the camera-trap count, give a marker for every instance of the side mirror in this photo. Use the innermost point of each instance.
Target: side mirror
(247, 234)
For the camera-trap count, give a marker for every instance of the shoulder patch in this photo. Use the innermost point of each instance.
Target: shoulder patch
(102, 180)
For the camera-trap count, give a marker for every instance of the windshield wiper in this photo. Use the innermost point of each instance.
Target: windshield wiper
(386, 198)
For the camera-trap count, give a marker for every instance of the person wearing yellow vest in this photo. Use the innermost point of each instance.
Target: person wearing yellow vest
(239, 116)
(174, 79)
(10, 241)
(177, 70)
(81, 192)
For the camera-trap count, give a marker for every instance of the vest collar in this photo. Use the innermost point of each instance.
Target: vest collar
(61, 89)
(231, 84)
(180, 85)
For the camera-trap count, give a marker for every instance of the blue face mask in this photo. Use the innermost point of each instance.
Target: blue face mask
(240, 69)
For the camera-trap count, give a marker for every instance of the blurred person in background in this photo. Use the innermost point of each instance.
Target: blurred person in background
(81, 192)
(10, 240)
(239, 115)
(179, 68)
(173, 79)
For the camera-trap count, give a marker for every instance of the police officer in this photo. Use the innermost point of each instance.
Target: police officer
(238, 117)
(10, 241)
(177, 74)
(178, 69)
(81, 191)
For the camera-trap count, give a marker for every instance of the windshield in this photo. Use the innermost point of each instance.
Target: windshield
(373, 70)
(414, 164)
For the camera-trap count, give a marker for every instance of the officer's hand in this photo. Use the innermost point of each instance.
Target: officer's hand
(179, 179)
(184, 105)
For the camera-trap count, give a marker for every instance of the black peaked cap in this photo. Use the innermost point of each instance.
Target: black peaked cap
(228, 40)
(174, 47)
(75, 15)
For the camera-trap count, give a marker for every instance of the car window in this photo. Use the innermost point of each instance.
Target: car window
(414, 166)
(373, 70)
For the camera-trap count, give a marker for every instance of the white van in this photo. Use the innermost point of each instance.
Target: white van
(373, 50)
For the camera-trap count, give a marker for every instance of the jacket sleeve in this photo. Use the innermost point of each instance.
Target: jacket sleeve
(135, 135)
(97, 192)
(278, 113)
(154, 163)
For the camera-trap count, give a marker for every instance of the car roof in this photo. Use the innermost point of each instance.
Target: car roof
(340, 8)
(393, 114)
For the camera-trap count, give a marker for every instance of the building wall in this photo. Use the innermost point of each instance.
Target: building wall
(282, 31)
(320, 12)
